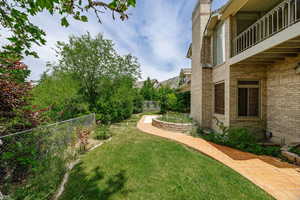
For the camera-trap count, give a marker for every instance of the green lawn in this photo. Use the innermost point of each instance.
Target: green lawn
(138, 166)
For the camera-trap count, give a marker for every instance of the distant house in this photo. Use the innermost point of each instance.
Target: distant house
(140, 84)
(171, 83)
(245, 66)
(177, 82)
(185, 78)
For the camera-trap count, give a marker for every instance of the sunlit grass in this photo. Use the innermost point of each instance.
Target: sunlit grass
(138, 166)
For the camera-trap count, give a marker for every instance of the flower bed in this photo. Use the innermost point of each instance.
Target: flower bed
(241, 139)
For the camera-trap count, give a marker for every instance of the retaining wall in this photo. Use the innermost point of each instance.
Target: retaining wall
(176, 127)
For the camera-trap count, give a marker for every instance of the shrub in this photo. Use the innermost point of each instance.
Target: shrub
(239, 136)
(116, 101)
(102, 132)
(163, 101)
(242, 139)
(172, 102)
(183, 102)
(138, 102)
(15, 111)
(295, 150)
(59, 94)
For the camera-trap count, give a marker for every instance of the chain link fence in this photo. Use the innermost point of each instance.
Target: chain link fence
(33, 162)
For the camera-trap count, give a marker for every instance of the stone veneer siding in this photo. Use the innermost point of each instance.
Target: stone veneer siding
(279, 86)
(256, 125)
(176, 127)
(283, 101)
(201, 16)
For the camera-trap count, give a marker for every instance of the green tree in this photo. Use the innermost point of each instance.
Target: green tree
(138, 101)
(15, 16)
(148, 91)
(116, 100)
(103, 80)
(59, 94)
(163, 98)
(172, 101)
(93, 60)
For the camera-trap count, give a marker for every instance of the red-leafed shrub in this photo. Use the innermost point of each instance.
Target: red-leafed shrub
(15, 111)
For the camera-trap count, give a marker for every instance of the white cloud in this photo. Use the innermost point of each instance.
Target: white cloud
(158, 32)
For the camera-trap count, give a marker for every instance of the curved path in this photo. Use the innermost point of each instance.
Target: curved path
(281, 183)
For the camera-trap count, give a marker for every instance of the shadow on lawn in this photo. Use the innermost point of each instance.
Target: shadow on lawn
(83, 186)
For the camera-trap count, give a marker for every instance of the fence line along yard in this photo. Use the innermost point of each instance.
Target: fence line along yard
(33, 162)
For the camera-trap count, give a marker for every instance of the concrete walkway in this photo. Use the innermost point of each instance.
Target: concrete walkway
(281, 183)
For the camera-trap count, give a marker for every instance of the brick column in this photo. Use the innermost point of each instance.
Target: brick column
(201, 77)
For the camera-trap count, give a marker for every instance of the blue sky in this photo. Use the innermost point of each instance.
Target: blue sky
(158, 33)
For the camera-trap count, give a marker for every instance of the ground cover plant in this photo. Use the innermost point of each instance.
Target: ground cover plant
(242, 139)
(134, 165)
(175, 117)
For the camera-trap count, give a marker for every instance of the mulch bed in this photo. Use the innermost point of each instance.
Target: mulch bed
(240, 155)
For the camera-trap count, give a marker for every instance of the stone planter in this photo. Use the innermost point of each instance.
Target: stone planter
(169, 126)
(291, 157)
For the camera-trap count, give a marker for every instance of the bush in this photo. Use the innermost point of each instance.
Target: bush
(295, 150)
(239, 136)
(242, 139)
(116, 101)
(172, 102)
(183, 102)
(102, 132)
(59, 94)
(138, 102)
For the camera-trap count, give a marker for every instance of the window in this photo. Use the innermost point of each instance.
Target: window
(248, 98)
(219, 45)
(220, 98)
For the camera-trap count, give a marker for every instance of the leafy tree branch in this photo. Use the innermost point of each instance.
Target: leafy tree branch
(15, 17)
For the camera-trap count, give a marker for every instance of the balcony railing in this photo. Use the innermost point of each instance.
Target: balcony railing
(279, 18)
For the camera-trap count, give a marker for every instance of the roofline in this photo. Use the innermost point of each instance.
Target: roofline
(230, 8)
(189, 53)
(198, 5)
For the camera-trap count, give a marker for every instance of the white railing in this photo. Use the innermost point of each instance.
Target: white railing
(279, 18)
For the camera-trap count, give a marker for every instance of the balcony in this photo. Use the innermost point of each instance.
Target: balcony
(276, 32)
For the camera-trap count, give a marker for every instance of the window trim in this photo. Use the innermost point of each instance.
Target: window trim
(254, 118)
(214, 96)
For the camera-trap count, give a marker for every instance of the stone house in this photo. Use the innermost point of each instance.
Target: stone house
(245, 67)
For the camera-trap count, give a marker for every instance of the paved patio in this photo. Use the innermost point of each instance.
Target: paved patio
(281, 183)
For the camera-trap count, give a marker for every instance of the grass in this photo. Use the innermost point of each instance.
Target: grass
(175, 117)
(138, 166)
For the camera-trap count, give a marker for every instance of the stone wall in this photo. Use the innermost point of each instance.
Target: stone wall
(283, 102)
(176, 127)
(200, 18)
(248, 72)
(221, 73)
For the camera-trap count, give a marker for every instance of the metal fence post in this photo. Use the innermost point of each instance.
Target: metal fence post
(1, 195)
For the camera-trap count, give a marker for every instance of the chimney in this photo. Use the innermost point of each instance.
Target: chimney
(201, 77)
